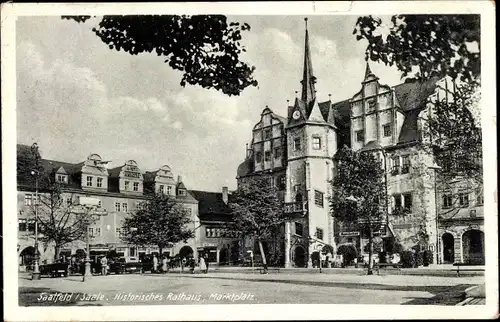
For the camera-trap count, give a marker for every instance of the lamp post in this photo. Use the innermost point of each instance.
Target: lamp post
(88, 207)
(435, 169)
(36, 269)
(132, 231)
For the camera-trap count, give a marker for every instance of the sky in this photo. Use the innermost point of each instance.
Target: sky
(76, 97)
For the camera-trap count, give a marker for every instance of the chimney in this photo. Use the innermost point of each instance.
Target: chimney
(179, 179)
(225, 195)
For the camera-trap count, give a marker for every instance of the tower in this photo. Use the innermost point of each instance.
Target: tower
(311, 144)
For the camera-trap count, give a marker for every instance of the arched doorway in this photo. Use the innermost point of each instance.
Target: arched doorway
(224, 256)
(473, 247)
(298, 198)
(27, 256)
(448, 248)
(186, 251)
(299, 256)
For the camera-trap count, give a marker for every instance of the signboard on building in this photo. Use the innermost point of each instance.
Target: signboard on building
(349, 233)
(209, 245)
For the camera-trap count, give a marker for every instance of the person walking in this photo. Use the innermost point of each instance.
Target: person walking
(104, 266)
(183, 263)
(192, 264)
(155, 263)
(205, 257)
(203, 266)
(164, 266)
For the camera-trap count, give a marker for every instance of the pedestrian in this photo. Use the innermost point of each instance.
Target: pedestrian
(104, 266)
(205, 257)
(164, 267)
(155, 263)
(183, 263)
(203, 266)
(192, 264)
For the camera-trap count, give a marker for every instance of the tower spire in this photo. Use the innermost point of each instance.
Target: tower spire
(308, 79)
(368, 71)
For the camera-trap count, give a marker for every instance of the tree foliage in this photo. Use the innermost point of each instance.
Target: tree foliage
(159, 221)
(359, 176)
(205, 48)
(56, 222)
(257, 210)
(437, 45)
(28, 165)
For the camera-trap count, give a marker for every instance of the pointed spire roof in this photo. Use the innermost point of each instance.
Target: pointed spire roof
(308, 79)
(368, 71)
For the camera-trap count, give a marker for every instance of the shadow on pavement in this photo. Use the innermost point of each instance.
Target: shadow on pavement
(32, 296)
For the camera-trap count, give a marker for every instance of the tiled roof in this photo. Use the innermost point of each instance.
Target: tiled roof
(283, 119)
(324, 108)
(409, 129)
(413, 94)
(115, 172)
(372, 145)
(210, 202)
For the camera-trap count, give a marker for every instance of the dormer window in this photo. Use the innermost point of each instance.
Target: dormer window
(62, 178)
(182, 192)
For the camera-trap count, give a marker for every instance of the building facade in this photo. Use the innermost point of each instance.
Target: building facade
(119, 191)
(297, 152)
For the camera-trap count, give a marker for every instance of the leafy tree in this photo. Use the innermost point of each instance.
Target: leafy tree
(205, 48)
(159, 221)
(257, 211)
(28, 165)
(57, 223)
(358, 194)
(429, 45)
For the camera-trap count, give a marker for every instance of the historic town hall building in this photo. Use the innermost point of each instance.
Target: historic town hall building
(297, 152)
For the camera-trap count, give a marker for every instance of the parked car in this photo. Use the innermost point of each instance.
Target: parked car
(55, 269)
(124, 265)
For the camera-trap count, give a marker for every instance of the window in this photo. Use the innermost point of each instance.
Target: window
(258, 157)
(319, 233)
(360, 136)
(282, 182)
(28, 200)
(277, 153)
(99, 204)
(408, 201)
(447, 201)
(316, 143)
(188, 211)
(406, 164)
(463, 199)
(318, 198)
(267, 156)
(89, 181)
(127, 185)
(22, 225)
(169, 190)
(387, 130)
(372, 104)
(31, 225)
(61, 178)
(479, 197)
(136, 186)
(296, 144)
(162, 188)
(395, 166)
(99, 182)
(117, 206)
(267, 134)
(397, 202)
(125, 207)
(182, 192)
(120, 232)
(95, 231)
(299, 229)
(209, 232)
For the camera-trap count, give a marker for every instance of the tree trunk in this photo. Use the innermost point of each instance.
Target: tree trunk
(57, 251)
(370, 251)
(160, 251)
(263, 255)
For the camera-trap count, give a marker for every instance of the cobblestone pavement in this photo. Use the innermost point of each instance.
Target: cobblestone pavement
(223, 288)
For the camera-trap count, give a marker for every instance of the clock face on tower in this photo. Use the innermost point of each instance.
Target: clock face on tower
(296, 115)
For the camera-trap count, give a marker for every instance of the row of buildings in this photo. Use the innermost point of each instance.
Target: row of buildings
(297, 152)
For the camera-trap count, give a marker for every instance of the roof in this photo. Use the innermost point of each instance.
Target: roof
(210, 203)
(245, 167)
(372, 145)
(413, 94)
(115, 172)
(283, 119)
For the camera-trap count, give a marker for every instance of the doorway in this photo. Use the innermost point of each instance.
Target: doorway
(448, 248)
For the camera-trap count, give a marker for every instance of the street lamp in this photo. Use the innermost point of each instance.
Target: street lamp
(435, 169)
(36, 269)
(132, 231)
(88, 207)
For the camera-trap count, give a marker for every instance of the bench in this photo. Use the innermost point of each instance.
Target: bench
(377, 266)
(468, 269)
